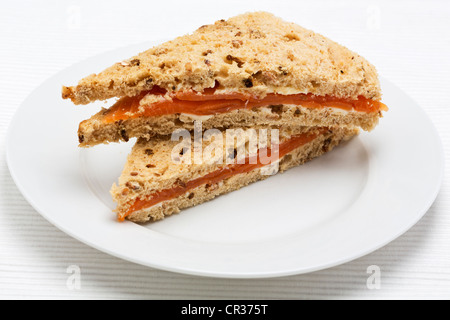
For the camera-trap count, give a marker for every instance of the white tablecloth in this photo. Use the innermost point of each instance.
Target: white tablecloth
(408, 41)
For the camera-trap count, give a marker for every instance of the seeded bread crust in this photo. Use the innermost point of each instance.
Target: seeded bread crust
(149, 168)
(94, 131)
(255, 53)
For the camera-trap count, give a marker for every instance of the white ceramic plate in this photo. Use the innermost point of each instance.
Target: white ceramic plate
(334, 209)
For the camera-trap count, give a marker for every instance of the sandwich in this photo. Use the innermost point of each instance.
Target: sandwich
(273, 86)
(251, 70)
(161, 176)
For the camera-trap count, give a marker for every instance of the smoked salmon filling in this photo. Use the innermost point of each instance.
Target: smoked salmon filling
(224, 173)
(210, 102)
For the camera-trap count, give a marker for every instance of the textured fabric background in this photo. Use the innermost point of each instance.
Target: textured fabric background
(408, 41)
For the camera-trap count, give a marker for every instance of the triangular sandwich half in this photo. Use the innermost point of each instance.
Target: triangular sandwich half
(253, 69)
(163, 175)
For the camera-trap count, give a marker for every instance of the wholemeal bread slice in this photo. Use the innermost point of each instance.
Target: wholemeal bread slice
(158, 180)
(256, 53)
(253, 69)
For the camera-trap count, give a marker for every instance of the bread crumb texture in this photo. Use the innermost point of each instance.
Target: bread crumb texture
(256, 53)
